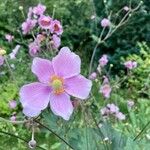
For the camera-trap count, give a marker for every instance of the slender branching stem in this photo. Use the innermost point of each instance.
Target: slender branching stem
(54, 134)
(20, 138)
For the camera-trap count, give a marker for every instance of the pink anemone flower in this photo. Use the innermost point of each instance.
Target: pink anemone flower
(103, 60)
(56, 27)
(39, 9)
(28, 25)
(58, 79)
(105, 90)
(45, 22)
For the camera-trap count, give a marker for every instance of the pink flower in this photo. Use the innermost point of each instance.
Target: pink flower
(13, 118)
(113, 108)
(120, 116)
(93, 76)
(56, 27)
(105, 22)
(14, 52)
(58, 79)
(28, 25)
(45, 22)
(56, 41)
(105, 90)
(12, 104)
(34, 48)
(130, 64)
(106, 80)
(39, 9)
(1, 60)
(126, 8)
(9, 37)
(103, 60)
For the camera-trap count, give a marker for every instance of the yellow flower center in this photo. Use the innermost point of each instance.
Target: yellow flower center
(57, 84)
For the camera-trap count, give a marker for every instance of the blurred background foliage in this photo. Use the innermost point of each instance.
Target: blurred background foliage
(79, 28)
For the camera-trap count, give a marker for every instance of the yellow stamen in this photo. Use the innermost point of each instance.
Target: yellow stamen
(57, 84)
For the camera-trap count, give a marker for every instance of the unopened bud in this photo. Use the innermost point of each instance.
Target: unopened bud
(32, 144)
(141, 2)
(111, 65)
(20, 7)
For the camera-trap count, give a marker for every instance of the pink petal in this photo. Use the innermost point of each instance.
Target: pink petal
(43, 69)
(61, 105)
(35, 96)
(78, 86)
(31, 112)
(66, 63)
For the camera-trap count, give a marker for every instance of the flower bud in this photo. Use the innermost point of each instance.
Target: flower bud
(32, 144)
(20, 7)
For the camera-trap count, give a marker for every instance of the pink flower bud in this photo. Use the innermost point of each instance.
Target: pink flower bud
(103, 60)
(105, 22)
(105, 90)
(126, 8)
(12, 104)
(93, 76)
(13, 118)
(130, 64)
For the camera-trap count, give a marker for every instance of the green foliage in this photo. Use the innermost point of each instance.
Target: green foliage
(140, 78)
(8, 92)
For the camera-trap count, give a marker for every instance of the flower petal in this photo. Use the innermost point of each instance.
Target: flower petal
(43, 69)
(31, 112)
(35, 96)
(66, 63)
(78, 86)
(61, 105)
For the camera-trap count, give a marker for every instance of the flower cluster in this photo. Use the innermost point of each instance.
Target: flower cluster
(112, 110)
(49, 29)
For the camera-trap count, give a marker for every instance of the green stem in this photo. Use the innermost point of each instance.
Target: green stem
(17, 137)
(141, 131)
(54, 134)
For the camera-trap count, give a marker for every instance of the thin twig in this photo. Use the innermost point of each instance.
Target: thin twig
(17, 137)
(141, 131)
(54, 134)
